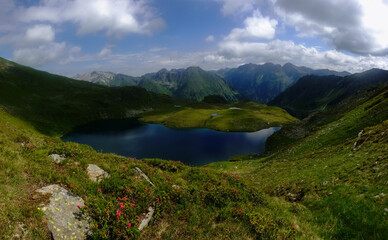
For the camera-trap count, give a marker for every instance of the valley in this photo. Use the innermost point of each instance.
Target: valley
(321, 177)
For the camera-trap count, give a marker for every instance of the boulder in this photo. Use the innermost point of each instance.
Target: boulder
(147, 219)
(65, 219)
(96, 174)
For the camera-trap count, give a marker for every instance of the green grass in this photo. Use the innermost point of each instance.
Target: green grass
(194, 202)
(341, 187)
(246, 116)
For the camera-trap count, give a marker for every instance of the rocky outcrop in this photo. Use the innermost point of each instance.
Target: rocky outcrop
(65, 219)
(138, 170)
(96, 174)
(147, 218)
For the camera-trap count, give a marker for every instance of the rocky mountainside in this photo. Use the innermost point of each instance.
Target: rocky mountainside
(107, 79)
(192, 83)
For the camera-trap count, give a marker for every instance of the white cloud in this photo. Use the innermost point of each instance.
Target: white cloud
(209, 38)
(255, 27)
(281, 52)
(40, 34)
(116, 17)
(105, 52)
(237, 7)
(40, 55)
(357, 26)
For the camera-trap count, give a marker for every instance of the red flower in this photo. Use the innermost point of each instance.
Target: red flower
(118, 213)
(235, 190)
(84, 206)
(98, 190)
(107, 214)
(293, 227)
(121, 205)
(240, 210)
(235, 209)
(71, 185)
(129, 224)
(119, 198)
(157, 199)
(78, 206)
(128, 190)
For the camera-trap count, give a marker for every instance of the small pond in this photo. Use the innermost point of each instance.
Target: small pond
(194, 146)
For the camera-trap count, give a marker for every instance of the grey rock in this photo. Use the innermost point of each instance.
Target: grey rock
(360, 133)
(143, 175)
(57, 158)
(96, 174)
(65, 220)
(147, 219)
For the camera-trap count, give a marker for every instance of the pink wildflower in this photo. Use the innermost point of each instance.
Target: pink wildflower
(118, 213)
(129, 224)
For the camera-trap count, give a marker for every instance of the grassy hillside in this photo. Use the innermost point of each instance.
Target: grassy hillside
(343, 187)
(312, 93)
(54, 104)
(244, 116)
(190, 202)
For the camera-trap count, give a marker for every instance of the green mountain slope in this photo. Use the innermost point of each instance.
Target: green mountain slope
(192, 83)
(54, 103)
(312, 93)
(337, 169)
(264, 82)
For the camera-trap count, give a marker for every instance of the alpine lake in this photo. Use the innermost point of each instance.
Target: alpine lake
(192, 146)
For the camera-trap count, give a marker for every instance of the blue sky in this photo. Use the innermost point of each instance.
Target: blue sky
(138, 36)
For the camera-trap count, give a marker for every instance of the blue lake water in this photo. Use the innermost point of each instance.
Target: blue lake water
(195, 146)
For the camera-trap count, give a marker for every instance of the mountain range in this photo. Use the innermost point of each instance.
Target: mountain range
(323, 177)
(192, 83)
(260, 83)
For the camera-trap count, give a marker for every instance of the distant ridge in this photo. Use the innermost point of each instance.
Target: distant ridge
(255, 82)
(264, 82)
(192, 83)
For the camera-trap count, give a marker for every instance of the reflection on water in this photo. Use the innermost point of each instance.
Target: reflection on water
(191, 146)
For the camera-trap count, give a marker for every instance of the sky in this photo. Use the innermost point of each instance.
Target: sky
(134, 37)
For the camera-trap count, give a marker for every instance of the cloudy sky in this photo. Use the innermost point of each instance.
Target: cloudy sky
(138, 36)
